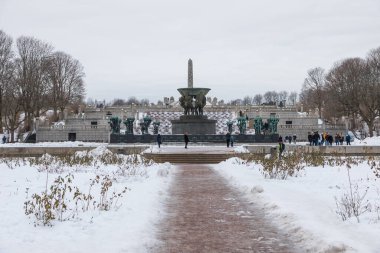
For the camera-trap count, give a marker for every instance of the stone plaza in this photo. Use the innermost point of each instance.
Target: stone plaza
(192, 114)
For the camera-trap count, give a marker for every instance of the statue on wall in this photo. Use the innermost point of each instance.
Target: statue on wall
(229, 126)
(258, 125)
(129, 125)
(156, 125)
(242, 124)
(145, 124)
(115, 124)
(186, 103)
(200, 102)
(272, 122)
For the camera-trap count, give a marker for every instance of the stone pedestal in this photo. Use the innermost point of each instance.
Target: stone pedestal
(193, 124)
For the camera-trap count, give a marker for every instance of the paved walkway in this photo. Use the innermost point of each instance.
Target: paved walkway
(206, 215)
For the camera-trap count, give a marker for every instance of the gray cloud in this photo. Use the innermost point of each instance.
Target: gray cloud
(239, 48)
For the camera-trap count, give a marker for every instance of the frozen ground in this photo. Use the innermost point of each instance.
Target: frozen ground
(305, 206)
(128, 227)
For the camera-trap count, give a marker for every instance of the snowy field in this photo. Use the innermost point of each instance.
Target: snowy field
(128, 225)
(305, 206)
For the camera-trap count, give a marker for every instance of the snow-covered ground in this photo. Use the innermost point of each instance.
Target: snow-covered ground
(305, 206)
(128, 227)
(369, 141)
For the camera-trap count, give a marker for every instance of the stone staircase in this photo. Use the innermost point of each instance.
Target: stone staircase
(192, 158)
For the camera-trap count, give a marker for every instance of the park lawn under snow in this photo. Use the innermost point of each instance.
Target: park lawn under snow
(128, 227)
(305, 206)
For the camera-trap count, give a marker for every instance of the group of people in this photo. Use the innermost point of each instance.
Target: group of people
(315, 139)
(290, 138)
(229, 139)
(326, 139)
(159, 140)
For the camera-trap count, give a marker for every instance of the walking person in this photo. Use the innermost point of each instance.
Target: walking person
(159, 141)
(310, 139)
(4, 139)
(186, 138)
(281, 146)
(337, 139)
(228, 139)
(232, 141)
(348, 139)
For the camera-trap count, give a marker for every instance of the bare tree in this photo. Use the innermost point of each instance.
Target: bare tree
(133, 100)
(313, 93)
(282, 95)
(65, 81)
(257, 99)
(247, 100)
(6, 70)
(373, 61)
(343, 86)
(145, 101)
(215, 101)
(369, 91)
(13, 108)
(293, 97)
(271, 97)
(31, 64)
(118, 102)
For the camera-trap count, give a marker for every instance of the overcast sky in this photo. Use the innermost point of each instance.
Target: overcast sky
(140, 48)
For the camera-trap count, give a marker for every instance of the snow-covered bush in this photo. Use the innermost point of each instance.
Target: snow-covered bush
(352, 203)
(290, 164)
(63, 200)
(52, 203)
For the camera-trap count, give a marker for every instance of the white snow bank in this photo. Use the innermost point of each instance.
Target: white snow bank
(130, 228)
(240, 149)
(306, 208)
(370, 141)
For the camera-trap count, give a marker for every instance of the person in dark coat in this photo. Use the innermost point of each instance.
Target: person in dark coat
(310, 139)
(186, 138)
(330, 139)
(4, 139)
(281, 146)
(159, 141)
(348, 139)
(341, 140)
(228, 139)
(337, 139)
(316, 138)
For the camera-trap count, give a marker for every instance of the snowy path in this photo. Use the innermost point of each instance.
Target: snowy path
(206, 215)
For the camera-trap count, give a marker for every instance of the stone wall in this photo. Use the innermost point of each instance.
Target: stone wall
(196, 138)
(81, 134)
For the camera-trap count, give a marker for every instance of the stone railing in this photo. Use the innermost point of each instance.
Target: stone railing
(312, 127)
(64, 127)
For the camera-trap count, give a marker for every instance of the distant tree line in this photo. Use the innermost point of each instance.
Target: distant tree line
(351, 88)
(269, 98)
(35, 78)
